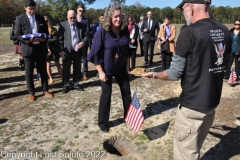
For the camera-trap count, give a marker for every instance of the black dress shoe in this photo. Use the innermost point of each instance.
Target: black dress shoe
(104, 128)
(78, 88)
(65, 90)
(21, 67)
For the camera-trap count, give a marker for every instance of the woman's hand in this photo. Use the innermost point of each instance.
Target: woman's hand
(163, 39)
(49, 52)
(102, 76)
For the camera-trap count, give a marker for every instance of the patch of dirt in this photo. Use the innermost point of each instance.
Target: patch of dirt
(66, 125)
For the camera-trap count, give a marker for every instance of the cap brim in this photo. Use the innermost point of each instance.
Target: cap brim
(180, 5)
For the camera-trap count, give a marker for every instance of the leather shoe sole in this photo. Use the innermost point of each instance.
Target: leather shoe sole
(85, 78)
(32, 98)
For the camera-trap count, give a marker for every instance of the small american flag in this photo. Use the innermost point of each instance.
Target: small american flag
(232, 77)
(134, 115)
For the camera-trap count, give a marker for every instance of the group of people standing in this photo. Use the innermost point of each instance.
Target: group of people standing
(166, 34)
(40, 52)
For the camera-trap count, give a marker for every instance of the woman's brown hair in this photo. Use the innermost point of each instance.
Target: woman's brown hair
(51, 30)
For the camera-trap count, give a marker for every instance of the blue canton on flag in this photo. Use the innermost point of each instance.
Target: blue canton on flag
(134, 115)
(36, 35)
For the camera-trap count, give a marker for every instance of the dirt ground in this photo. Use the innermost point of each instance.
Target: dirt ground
(65, 126)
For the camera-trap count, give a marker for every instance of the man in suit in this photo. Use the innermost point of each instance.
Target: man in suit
(74, 37)
(140, 37)
(86, 22)
(148, 28)
(34, 50)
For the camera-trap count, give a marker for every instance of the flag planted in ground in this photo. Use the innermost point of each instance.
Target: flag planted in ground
(135, 116)
(232, 77)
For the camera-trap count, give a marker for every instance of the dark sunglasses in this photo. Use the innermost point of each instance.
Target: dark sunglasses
(46, 21)
(237, 24)
(80, 10)
(72, 17)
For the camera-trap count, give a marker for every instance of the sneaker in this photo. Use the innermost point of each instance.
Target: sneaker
(237, 121)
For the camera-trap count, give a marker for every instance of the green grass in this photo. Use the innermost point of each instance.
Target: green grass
(5, 36)
(56, 148)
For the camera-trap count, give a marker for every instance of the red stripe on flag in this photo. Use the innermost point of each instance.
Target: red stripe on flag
(232, 77)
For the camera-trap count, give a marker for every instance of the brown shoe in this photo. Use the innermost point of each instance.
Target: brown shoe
(85, 78)
(32, 97)
(48, 94)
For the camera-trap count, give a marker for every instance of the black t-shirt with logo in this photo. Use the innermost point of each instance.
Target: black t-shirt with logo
(206, 46)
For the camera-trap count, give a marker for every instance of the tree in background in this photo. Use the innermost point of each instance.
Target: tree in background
(118, 1)
(6, 11)
(57, 10)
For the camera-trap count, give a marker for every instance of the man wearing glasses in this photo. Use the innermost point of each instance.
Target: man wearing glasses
(85, 21)
(202, 51)
(74, 37)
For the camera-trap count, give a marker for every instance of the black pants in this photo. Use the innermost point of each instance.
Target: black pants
(237, 66)
(84, 60)
(133, 57)
(40, 59)
(146, 45)
(105, 99)
(74, 57)
(166, 59)
(141, 46)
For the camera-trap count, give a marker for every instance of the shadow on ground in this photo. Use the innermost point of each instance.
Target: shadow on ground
(156, 132)
(229, 142)
(160, 106)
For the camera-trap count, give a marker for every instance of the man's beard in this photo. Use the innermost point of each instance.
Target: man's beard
(188, 19)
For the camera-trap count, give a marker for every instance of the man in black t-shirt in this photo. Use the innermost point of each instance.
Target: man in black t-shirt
(202, 50)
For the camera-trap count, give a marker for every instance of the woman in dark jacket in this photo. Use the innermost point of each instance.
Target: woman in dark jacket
(17, 49)
(52, 50)
(235, 37)
(110, 54)
(134, 31)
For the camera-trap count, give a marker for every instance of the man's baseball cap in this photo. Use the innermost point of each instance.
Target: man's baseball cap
(208, 2)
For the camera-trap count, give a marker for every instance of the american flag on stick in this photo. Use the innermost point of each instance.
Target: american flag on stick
(134, 115)
(232, 77)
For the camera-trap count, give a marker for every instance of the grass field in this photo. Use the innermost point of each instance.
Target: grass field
(5, 35)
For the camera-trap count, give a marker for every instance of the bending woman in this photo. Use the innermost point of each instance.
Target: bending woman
(110, 55)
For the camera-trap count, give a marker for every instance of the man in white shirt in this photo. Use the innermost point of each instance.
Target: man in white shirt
(34, 50)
